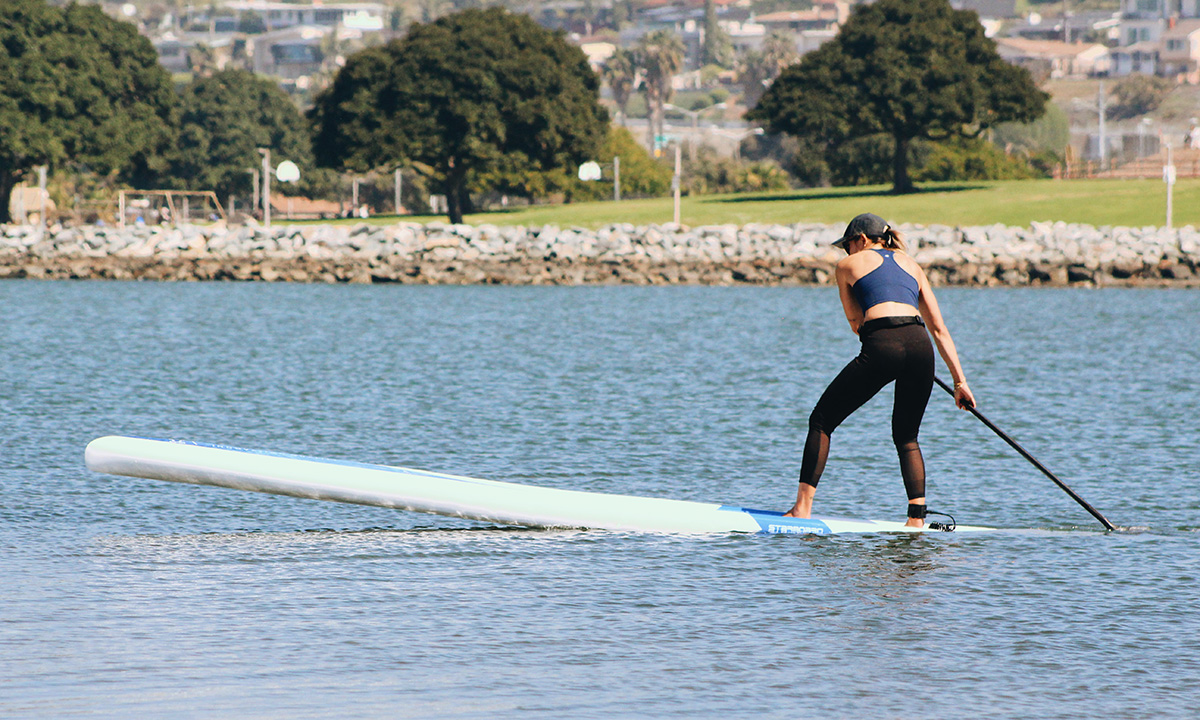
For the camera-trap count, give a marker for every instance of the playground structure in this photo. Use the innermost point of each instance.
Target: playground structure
(167, 207)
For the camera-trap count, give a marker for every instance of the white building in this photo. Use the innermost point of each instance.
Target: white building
(1180, 54)
(291, 53)
(366, 16)
(1055, 59)
(1141, 58)
(1143, 21)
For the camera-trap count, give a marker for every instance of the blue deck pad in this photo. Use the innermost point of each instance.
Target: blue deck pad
(774, 523)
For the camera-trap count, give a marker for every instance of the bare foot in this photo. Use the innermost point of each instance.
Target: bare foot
(915, 522)
(804, 501)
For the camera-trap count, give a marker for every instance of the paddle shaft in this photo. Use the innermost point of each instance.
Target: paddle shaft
(1025, 454)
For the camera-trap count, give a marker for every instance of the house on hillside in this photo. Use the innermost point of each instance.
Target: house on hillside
(175, 51)
(745, 36)
(1143, 21)
(1055, 59)
(367, 16)
(809, 28)
(291, 53)
(822, 16)
(1141, 58)
(988, 8)
(992, 13)
(1086, 26)
(1180, 54)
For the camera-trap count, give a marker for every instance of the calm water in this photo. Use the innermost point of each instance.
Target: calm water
(133, 598)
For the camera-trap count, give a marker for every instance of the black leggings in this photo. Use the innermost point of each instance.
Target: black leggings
(892, 349)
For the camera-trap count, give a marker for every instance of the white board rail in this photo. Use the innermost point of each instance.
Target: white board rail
(442, 494)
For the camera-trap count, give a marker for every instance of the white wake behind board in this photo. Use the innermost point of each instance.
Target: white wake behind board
(452, 495)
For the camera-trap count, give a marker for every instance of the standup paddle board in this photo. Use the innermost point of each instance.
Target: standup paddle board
(453, 495)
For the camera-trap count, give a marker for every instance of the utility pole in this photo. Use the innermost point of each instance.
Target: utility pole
(266, 185)
(1169, 179)
(42, 199)
(616, 178)
(397, 180)
(675, 182)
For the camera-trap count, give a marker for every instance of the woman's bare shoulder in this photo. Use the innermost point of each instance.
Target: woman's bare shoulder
(859, 264)
(907, 262)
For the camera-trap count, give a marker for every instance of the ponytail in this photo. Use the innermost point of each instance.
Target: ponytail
(893, 239)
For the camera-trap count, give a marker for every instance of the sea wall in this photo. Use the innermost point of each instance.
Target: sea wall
(439, 253)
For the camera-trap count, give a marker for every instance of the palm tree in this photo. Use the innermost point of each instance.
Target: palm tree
(660, 56)
(759, 68)
(621, 73)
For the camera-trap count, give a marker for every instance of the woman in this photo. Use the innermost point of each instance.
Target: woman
(889, 303)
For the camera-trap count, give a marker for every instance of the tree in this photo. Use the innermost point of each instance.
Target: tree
(660, 56)
(905, 68)
(718, 48)
(710, 173)
(759, 68)
(224, 119)
(1049, 133)
(620, 72)
(475, 94)
(1139, 95)
(251, 23)
(78, 85)
(971, 159)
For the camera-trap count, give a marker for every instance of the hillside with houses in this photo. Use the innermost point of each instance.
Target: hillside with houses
(302, 44)
(730, 51)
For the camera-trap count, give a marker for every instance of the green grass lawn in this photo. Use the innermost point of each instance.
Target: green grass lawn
(1134, 203)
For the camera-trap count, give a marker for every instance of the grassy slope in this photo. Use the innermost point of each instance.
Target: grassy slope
(1134, 203)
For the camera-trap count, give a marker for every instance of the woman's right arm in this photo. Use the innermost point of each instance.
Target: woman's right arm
(932, 315)
(854, 314)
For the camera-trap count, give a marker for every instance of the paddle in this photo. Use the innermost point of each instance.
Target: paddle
(1024, 453)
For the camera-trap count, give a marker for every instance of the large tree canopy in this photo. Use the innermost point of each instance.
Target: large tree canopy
(906, 69)
(474, 94)
(224, 119)
(79, 86)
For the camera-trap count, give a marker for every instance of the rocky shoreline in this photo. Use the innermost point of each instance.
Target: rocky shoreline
(1046, 254)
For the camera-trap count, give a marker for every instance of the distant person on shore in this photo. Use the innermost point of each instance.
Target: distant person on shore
(889, 303)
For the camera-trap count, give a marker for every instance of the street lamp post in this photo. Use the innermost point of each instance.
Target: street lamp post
(695, 116)
(738, 137)
(591, 171)
(287, 172)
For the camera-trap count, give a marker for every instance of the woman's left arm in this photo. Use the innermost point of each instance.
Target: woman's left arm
(932, 315)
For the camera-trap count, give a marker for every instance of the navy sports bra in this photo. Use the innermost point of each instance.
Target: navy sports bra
(887, 283)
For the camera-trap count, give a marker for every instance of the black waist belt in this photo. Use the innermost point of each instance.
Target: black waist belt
(892, 321)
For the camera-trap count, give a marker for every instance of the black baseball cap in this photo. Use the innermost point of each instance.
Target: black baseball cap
(868, 224)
